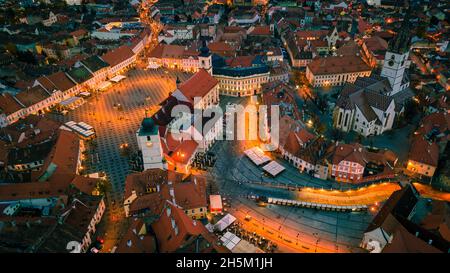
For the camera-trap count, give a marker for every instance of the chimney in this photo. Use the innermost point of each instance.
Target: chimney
(172, 193)
(178, 82)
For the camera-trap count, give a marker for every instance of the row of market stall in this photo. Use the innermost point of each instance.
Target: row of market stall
(76, 101)
(289, 202)
(84, 130)
(257, 156)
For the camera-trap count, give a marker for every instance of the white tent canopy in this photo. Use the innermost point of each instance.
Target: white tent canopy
(225, 222)
(230, 240)
(257, 156)
(274, 168)
(104, 85)
(117, 78)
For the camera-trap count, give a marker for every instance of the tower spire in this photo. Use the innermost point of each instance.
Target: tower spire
(401, 42)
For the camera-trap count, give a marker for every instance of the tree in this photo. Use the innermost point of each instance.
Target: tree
(11, 48)
(434, 21)
(27, 57)
(104, 187)
(411, 110)
(336, 135)
(321, 102)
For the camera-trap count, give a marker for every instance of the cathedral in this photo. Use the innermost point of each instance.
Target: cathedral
(370, 105)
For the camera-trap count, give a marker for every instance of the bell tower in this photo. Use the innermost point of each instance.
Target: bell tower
(396, 58)
(205, 58)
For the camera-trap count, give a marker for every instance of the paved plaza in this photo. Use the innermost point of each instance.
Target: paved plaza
(116, 115)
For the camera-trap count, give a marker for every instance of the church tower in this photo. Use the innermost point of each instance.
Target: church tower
(205, 58)
(396, 58)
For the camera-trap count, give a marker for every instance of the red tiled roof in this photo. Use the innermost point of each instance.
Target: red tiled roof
(182, 152)
(349, 152)
(167, 51)
(8, 105)
(220, 47)
(338, 65)
(85, 184)
(261, 30)
(118, 55)
(241, 61)
(79, 32)
(405, 242)
(198, 85)
(315, 34)
(32, 96)
(191, 195)
(136, 239)
(423, 151)
(174, 228)
(304, 135)
(64, 155)
(376, 43)
(58, 81)
(440, 120)
(140, 182)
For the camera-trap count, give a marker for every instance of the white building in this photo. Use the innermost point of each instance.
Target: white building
(369, 105)
(243, 76)
(52, 18)
(149, 143)
(173, 33)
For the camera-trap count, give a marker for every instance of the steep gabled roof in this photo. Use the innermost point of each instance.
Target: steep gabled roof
(198, 85)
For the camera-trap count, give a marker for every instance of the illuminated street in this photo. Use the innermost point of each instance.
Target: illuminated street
(362, 196)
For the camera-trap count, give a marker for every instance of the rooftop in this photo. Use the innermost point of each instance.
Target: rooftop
(338, 65)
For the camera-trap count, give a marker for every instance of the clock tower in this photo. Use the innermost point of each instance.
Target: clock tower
(396, 58)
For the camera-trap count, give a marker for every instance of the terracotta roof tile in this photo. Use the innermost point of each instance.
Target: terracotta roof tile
(8, 104)
(198, 85)
(338, 65)
(32, 96)
(118, 55)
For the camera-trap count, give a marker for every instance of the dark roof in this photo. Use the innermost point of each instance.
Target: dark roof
(148, 127)
(365, 93)
(400, 203)
(94, 63)
(401, 42)
(80, 74)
